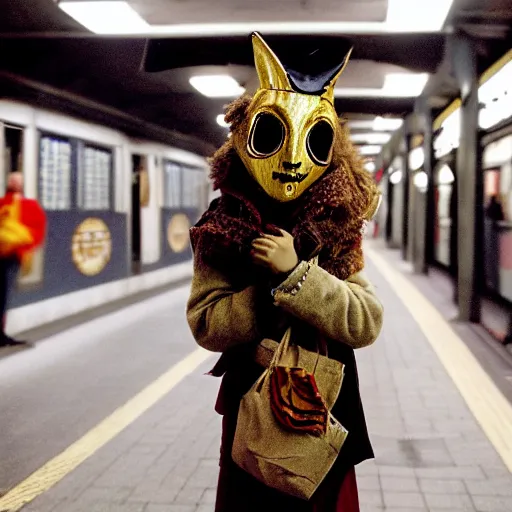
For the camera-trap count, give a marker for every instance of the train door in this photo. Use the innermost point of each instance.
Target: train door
(138, 164)
(11, 141)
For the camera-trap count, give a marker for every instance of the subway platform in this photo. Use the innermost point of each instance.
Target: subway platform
(116, 414)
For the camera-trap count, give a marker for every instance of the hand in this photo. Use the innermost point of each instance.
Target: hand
(275, 252)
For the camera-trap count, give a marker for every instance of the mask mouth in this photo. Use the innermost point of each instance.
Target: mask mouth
(285, 177)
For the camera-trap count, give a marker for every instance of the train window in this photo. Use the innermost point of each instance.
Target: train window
(55, 173)
(172, 185)
(192, 187)
(94, 179)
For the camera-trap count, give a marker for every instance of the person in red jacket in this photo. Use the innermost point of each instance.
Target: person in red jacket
(16, 255)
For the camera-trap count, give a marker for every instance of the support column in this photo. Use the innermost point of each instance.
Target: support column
(469, 181)
(405, 205)
(389, 210)
(424, 250)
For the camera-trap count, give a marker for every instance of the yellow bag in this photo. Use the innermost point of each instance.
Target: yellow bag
(13, 234)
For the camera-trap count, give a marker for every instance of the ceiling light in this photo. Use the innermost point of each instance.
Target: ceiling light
(361, 125)
(217, 86)
(371, 138)
(396, 85)
(416, 158)
(381, 124)
(370, 166)
(106, 17)
(296, 27)
(221, 121)
(445, 176)
(405, 84)
(420, 181)
(370, 150)
(117, 17)
(396, 177)
(417, 15)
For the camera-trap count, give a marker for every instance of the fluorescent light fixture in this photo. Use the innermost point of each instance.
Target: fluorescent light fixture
(361, 125)
(416, 158)
(221, 121)
(369, 150)
(381, 124)
(420, 181)
(371, 138)
(405, 84)
(370, 166)
(378, 124)
(106, 17)
(445, 176)
(396, 85)
(396, 177)
(289, 28)
(103, 17)
(417, 15)
(217, 86)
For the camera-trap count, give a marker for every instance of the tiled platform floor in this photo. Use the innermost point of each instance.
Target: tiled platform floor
(431, 454)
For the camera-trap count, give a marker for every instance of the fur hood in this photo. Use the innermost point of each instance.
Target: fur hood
(327, 220)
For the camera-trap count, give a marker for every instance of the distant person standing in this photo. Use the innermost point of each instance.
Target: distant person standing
(22, 230)
(494, 210)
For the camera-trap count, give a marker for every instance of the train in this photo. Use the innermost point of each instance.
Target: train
(119, 210)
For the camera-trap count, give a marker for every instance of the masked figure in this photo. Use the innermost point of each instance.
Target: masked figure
(282, 247)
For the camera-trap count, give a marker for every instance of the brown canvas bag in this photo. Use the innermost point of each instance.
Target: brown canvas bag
(286, 436)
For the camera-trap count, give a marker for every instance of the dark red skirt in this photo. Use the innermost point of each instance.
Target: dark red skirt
(238, 491)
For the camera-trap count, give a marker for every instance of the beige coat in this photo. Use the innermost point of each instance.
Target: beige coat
(227, 316)
(222, 316)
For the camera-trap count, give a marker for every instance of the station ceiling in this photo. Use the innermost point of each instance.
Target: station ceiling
(139, 81)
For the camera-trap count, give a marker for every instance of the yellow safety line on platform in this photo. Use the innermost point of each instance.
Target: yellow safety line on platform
(57, 468)
(490, 408)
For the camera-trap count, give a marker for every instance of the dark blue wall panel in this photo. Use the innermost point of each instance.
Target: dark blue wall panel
(60, 274)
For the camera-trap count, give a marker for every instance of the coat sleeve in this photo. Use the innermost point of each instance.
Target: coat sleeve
(346, 311)
(34, 218)
(219, 316)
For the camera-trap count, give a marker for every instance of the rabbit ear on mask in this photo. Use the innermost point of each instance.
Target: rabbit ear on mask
(273, 75)
(287, 143)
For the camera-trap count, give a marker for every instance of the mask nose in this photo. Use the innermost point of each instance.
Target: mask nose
(289, 166)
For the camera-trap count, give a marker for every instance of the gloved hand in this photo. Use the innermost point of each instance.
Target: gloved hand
(275, 252)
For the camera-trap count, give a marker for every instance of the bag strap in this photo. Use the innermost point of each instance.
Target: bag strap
(283, 346)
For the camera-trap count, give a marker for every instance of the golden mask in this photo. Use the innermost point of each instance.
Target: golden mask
(292, 125)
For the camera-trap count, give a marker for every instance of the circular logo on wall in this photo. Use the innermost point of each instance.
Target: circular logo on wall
(178, 232)
(91, 247)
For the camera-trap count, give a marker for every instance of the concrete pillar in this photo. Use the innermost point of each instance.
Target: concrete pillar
(424, 201)
(405, 181)
(469, 181)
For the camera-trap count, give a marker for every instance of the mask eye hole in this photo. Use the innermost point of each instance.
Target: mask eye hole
(267, 135)
(319, 142)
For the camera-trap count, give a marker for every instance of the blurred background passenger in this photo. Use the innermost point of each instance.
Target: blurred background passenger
(22, 230)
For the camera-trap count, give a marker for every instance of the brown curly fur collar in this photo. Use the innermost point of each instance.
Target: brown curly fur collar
(327, 220)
